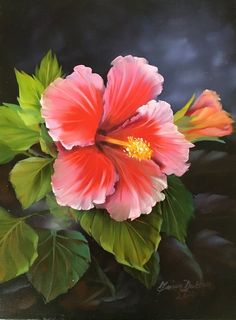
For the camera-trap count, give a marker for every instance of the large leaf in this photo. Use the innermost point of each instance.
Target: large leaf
(6, 154)
(48, 70)
(31, 179)
(63, 258)
(131, 242)
(14, 132)
(177, 209)
(30, 91)
(18, 246)
(149, 278)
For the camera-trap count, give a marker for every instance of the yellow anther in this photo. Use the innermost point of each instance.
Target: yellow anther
(138, 148)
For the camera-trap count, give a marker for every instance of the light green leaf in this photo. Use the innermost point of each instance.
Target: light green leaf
(30, 91)
(48, 70)
(29, 116)
(14, 132)
(181, 113)
(31, 179)
(61, 212)
(6, 154)
(177, 209)
(18, 246)
(149, 278)
(63, 258)
(131, 242)
(46, 143)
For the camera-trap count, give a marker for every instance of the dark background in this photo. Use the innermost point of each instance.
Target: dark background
(193, 43)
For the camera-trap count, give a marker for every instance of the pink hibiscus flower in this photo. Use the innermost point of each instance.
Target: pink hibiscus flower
(117, 144)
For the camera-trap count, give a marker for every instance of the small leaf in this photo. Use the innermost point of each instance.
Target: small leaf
(181, 113)
(61, 212)
(131, 242)
(205, 138)
(6, 154)
(63, 258)
(149, 278)
(31, 179)
(30, 91)
(46, 143)
(177, 209)
(48, 70)
(14, 132)
(18, 246)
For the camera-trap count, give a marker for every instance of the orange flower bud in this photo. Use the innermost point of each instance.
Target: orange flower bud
(205, 119)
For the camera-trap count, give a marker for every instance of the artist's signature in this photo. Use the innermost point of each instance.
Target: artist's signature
(183, 288)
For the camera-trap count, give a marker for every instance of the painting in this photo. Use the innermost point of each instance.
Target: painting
(117, 159)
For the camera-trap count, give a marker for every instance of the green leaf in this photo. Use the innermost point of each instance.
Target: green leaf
(181, 113)
(46, 143)
(31, 179)
(98, 276)
(48, 70)
(63, 258)
(30, 91)
(6, 154)
(14, 132)
(149, 278)
(29, 116)
(131, 242)
(215, 139)
(18, 246)
(61, 212)
(177, 209)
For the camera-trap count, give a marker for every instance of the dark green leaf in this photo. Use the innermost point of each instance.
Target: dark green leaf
(177, 209)
(149, 278)
(31, 179)
(205, 138)
(131, 242)
(14, 132)
(61, 212)
(18, 246)
(48, 70)
(63, 258)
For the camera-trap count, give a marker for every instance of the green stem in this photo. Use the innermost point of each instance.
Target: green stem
(35, 153)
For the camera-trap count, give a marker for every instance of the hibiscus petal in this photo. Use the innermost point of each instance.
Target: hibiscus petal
(72, 107)
(154, 123)
(83, 177)
(132, 82)
(209, 99)
(138, 189)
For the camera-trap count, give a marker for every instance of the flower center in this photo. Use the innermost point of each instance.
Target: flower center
(136, 148)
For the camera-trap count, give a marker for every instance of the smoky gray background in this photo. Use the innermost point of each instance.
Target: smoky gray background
(193, 43)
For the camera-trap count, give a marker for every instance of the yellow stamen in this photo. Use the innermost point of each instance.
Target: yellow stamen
(136, 148)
